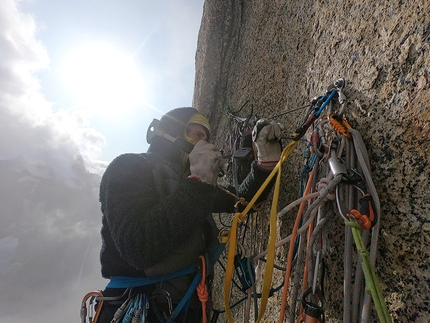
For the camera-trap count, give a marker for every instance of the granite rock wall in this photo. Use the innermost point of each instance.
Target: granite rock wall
(268, 57)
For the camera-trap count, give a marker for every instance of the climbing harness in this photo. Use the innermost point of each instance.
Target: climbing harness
(135, 308)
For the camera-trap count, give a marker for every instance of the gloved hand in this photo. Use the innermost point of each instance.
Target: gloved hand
(266, 136)
(205, 162)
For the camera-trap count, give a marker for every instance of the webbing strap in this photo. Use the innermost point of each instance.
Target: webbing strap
(125, 281)
(213, 255)
(240, 217)
(185, 300)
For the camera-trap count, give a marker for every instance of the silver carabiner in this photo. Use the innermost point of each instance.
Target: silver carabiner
(339, 86)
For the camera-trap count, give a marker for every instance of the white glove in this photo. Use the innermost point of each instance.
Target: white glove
(205, 162)
(266, 136)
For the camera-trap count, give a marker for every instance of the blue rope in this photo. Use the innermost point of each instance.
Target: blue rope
(185, 300)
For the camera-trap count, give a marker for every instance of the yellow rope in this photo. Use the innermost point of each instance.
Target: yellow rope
(240, 217)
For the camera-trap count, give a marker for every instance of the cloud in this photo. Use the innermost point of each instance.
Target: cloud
(8, 247)
(49, 237)
(21, 54)
(31, 127)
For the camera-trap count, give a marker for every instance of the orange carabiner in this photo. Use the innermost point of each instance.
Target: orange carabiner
(84, 306)
(341, 126)
(367, 207)
(364, 220)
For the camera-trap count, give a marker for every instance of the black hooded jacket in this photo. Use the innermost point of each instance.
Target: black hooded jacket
(155, 221)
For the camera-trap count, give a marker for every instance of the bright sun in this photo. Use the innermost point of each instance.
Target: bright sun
(102, 80)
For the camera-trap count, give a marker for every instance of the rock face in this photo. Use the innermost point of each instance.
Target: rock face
(268, 57)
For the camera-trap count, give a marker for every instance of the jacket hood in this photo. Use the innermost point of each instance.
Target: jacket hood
(174, 124)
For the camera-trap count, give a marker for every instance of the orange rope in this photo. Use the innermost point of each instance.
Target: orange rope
(202, 290)
(291, 250)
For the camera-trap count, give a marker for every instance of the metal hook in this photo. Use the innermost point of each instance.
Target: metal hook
(339, 86)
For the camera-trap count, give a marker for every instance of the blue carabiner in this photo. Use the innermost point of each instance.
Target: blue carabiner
(332, 93)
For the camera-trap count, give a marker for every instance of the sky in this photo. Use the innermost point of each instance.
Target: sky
(116, 64)
(80, 82)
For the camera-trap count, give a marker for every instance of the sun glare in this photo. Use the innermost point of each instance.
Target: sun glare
(102, 79)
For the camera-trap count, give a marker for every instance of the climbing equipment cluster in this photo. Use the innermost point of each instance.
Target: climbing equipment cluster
(335, 184)
(239, 144)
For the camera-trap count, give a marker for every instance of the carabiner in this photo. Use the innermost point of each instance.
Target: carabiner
(312, 312)
(338, 86)
(339, 124)
(362, 219)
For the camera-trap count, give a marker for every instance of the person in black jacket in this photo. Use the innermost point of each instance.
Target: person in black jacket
(157, 209)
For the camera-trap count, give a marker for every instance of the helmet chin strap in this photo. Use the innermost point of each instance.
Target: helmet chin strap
(154, 129)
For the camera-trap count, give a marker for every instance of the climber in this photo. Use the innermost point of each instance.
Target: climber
(157, 210)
